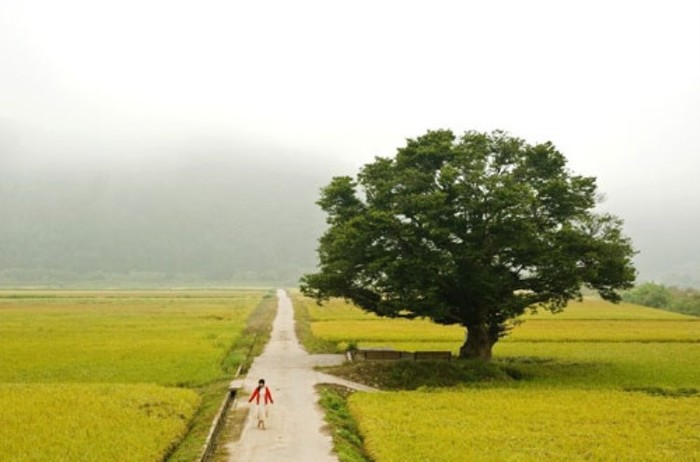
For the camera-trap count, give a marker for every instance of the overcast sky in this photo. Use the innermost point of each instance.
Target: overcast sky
(614, 84)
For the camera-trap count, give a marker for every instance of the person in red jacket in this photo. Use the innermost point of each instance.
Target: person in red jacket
(262, 397)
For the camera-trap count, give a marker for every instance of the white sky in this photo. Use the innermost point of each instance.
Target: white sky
(614, 84)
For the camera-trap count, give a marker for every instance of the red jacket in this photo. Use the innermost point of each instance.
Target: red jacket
(256, 396)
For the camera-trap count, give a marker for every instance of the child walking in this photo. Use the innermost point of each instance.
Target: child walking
(262, 397)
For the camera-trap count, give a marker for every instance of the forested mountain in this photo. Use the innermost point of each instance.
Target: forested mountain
(192, 212)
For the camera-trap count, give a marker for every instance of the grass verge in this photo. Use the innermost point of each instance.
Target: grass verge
(232, 428)
(347, 440)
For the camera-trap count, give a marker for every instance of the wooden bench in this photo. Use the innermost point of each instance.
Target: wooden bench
(380, 354)
(432, 355)
(393, 355)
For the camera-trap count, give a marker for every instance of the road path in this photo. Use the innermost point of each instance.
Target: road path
(295, 426)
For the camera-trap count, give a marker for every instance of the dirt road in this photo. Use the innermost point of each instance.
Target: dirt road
(295, 426)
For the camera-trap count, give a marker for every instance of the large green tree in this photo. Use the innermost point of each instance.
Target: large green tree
(470, 231)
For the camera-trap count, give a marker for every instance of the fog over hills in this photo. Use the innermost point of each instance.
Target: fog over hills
(188, 210)
(191, 211)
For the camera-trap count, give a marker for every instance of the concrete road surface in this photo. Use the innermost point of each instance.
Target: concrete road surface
(295, 430)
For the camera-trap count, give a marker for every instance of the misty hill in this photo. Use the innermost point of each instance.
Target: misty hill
(108, 210)
(188, 213)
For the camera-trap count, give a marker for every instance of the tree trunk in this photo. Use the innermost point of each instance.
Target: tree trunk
(478, 343)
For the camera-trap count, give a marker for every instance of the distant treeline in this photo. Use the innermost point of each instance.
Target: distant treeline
(686, 301)
(64, 279)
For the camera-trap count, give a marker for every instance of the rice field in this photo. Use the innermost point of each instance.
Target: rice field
(600, 382)
(167, 339)
(110, 376)
(88, 422)
(589, 321)
(528, 425)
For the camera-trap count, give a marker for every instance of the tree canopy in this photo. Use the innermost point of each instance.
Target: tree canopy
(471, 231)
